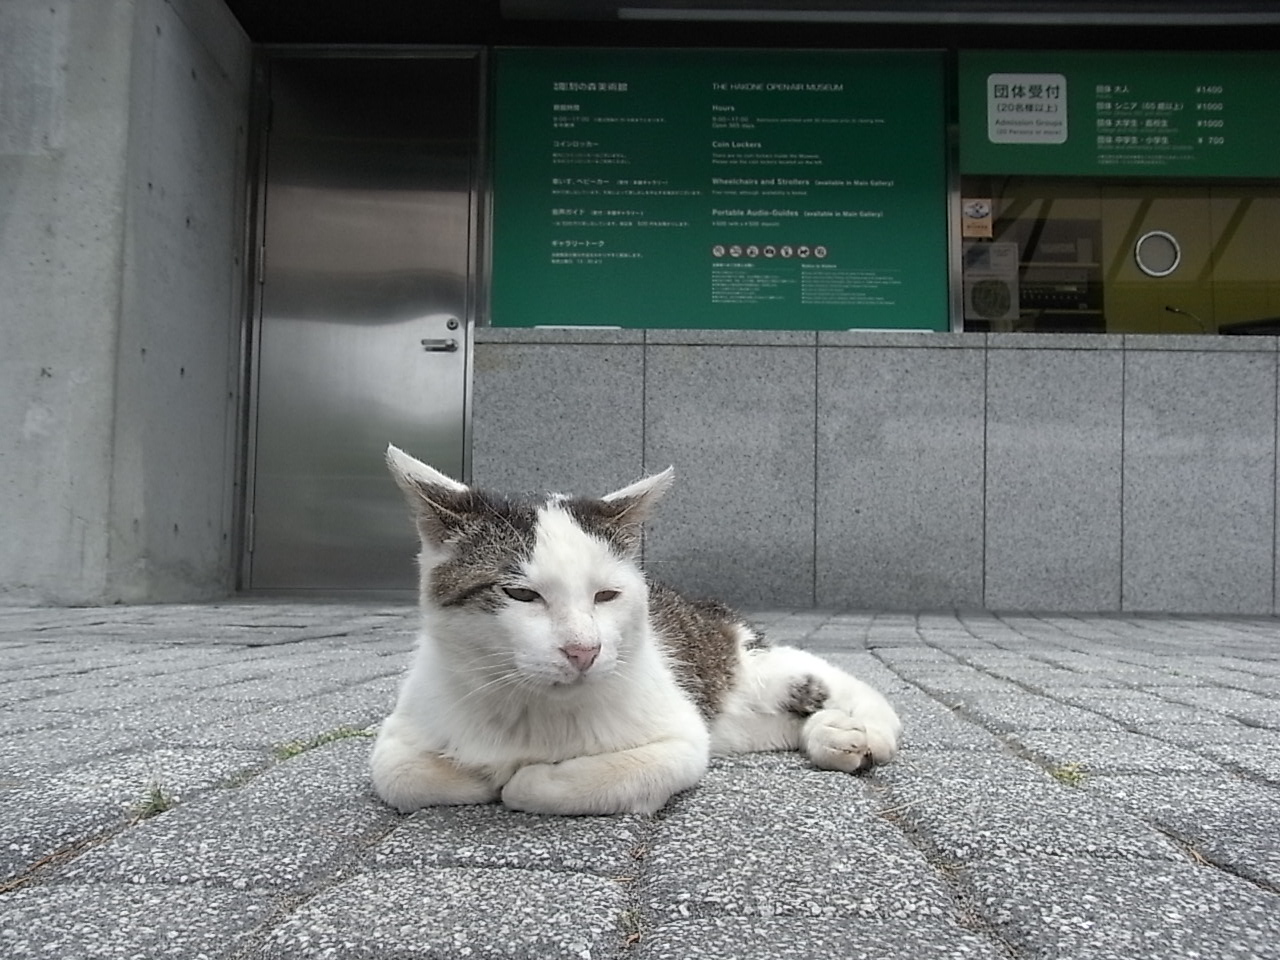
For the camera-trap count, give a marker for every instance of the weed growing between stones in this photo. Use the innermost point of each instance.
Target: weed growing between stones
(155, 803)
(294, 747)
(1071, 774)
(629, 923)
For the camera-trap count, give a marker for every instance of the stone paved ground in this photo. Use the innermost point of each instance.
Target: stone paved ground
(189, 781)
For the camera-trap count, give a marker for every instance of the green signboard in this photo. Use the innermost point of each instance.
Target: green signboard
(1120, 114)
(719, 189)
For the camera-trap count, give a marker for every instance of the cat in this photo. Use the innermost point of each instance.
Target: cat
(551, 675)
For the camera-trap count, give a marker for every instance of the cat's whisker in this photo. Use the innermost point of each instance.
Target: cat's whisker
(513, 679)
(485, 657)
(503, 662)
(487, 660)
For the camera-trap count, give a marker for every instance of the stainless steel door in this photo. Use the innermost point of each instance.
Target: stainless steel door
(365, 311)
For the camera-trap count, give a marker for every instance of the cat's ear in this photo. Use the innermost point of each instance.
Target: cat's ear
(634, 502)
(439, 503)
(617, 516)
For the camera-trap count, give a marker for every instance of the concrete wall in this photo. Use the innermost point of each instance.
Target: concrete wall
(911, 471)
(122, 145)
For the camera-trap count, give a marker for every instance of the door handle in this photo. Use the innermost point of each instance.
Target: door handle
(440, 345)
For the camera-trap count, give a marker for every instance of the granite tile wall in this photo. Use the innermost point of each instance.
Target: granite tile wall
(1054, 417)
(556, 415)
(737, 424)
(900, 473)
(910, 471)
(1200, 478)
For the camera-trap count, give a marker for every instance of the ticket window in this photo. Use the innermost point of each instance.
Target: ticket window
(1073, 255)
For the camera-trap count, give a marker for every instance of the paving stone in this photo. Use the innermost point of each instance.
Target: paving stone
(956, 642)
(214, 675)
(287, 828)
(1226, 819)
(1113, 910)
(787, 938)
(33, 755)
(275, 689)
(39, 683)
(966, 819)
(928, 725)
(1252, 853)
(1258, 759)
(1109, 752)
(836, 638)
(91, 921)
(1020, 711)
(265, 726)
(148, 720)
(1109, 666)
(125, 777)
(490, 835)
(55, 812)
(793, 842)
(915, 655)
(1247, 707)
(13, 720)
(31, 830)
(1044, 679)
(917, 764)
(408, 913)
(1134, 708)
(1206, 729)
(868, 669)
(117, 699)
(956, 688)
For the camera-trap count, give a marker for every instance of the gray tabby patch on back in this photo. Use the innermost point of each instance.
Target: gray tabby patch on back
(702, 638)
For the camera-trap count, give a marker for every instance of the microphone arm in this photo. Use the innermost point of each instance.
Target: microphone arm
(1204, 327)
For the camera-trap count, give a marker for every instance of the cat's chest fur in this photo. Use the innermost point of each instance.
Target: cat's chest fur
(492, 722)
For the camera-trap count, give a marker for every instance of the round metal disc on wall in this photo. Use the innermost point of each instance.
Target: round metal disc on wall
(1157, 253)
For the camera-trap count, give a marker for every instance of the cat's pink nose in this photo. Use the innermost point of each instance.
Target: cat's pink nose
(580, 656)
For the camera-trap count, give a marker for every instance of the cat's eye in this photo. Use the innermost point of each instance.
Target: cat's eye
(522, 594)
(604, 596)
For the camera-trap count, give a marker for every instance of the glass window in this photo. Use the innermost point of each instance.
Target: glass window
(1080, 255)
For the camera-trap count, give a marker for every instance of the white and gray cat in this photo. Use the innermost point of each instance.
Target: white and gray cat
(551, 675)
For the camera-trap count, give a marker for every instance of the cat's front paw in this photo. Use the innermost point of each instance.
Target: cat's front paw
(631, 781)
(836, 740)
(535, 788)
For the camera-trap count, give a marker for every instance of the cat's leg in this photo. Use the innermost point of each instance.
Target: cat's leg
(409, 776)
(786, 698)
(638, 780)
(767, 707)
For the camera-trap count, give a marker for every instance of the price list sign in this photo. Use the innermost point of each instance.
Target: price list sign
(1120, 114)
(719, 189)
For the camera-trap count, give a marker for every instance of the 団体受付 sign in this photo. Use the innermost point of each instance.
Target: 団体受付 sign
(1101, 113)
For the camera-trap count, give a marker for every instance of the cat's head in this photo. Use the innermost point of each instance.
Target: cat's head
(549, 588)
